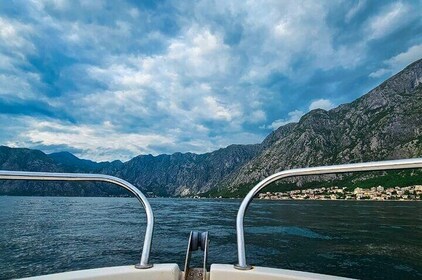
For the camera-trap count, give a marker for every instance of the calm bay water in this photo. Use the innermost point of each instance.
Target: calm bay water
(366, 240)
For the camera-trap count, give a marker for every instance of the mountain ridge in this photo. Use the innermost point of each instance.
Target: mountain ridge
(390, 114)
(385, 123)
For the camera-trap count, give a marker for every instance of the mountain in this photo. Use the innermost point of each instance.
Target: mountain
(386, 123)
(26, 159)
(184, 174)
(72, 163)
(34, 160)
(164, 175)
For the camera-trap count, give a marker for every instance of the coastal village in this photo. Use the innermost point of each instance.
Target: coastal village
(336, 193)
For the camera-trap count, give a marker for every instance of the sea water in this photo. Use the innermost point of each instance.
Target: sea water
(366, 240)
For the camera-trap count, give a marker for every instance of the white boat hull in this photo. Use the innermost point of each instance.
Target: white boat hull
(172, 272)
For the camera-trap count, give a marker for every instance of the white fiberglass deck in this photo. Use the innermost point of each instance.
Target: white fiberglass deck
(172, 272)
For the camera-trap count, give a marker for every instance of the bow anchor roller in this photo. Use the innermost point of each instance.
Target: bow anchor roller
(197, 241)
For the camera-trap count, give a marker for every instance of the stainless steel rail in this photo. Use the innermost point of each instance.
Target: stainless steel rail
(46, 176)
(356, 167)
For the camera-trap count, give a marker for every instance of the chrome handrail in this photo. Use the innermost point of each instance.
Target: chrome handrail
(47, 176)
(355, 167)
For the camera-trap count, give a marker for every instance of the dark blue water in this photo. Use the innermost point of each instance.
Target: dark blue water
(367, 240)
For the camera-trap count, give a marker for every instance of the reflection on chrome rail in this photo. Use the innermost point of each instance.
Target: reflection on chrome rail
(46, 176)
(356, 167)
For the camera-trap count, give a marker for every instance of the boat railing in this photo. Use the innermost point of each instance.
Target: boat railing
(345, 168)
(47, 176)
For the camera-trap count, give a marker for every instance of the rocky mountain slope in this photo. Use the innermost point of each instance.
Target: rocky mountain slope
(72, 163)
(34, 160)
(184, 174)
(163, 175)
(386, 123)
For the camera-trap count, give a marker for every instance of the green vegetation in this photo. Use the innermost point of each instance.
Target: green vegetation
(239, 192)
(365, 180)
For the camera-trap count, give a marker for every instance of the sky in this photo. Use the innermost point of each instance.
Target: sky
(110, 80)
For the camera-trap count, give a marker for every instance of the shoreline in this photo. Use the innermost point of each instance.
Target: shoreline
(219, 198)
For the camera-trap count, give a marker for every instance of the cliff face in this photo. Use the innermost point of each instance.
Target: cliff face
(184, 174)
(386, 123)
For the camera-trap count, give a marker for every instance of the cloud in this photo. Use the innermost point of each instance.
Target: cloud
(182, 84)
(176, 76)
(257, 116)
(214, 109)
(94, 142)
(390, 19)
(294, 116)
(295, 30)
(14, 36)
(15, 47)
(321, 104)
(399, 61)
(355, 10)
(105, 142)
(379, 73)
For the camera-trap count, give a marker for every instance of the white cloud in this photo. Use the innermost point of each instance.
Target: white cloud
(294, 116)
(379, 73)
(403, 59)
(399, 61)
(104, 142)
(14, 35)
(389, 20)
(257, 116)
(321, 104)
(183, 83)
(56, 5)
(354, 10)
(276, 34)
(99, 142)
(15, 47)
(200, 53)
(133, 12)
(215, 110)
